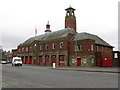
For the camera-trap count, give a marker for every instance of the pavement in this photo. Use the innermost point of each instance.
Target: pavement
(91, 69)
(84, 69)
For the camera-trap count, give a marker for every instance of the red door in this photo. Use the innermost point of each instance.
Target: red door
(53, 59)
(30, 62)
(61, 60)
(40, 60)
(78, 61)
(26, 60)
(22, 60)
(98, 62)
(107, 62)
(46, 60)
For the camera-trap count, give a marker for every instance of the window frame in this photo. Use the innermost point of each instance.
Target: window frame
(92, 47)
(46, 46)
(79, 47)
(41, 47)
(61, 45)
(53, 45)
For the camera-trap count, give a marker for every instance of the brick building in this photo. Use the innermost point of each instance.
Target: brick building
(66, 47)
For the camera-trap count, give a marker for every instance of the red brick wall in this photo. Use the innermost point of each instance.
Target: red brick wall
(70, 23)
(86, 46)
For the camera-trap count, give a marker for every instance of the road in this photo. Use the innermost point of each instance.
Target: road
(45, 77)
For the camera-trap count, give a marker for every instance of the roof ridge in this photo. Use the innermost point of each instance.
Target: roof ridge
(50, 36)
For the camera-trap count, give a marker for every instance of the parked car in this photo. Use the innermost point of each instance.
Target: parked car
(4, 62)
(9, 62)
(16, 61)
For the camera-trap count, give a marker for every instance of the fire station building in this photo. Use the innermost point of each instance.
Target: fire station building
(66, 47)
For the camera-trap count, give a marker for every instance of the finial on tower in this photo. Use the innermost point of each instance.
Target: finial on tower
(48, 23)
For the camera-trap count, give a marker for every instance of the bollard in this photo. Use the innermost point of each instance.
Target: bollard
(53, 65)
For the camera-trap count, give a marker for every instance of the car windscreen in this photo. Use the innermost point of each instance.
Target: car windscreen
(17, 60)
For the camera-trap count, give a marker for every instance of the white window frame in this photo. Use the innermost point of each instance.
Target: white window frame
(84, 60)
(26, 49)
(115, 55)
(79, 47)
(92, 60)
(22, 49)
(53, 45)
(61, 45)
(92, 47)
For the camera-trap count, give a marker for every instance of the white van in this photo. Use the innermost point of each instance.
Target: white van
(16, 61)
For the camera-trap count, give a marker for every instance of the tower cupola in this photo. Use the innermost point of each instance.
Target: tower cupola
(47, 28)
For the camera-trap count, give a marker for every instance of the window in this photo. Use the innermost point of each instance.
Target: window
(106, 49)
(115, 55)
(79, 47)
(102, 48)
(92, 60)
(61, 44)
(19, 50)
(30, 48)
(46, 46)
(92, 47)
(22, 49)
(26, 49)
(97, 48)
(35, 47)
(53, 46)
(84, 60)
(40, 47)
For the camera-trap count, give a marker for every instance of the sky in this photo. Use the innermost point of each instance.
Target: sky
(19, 18)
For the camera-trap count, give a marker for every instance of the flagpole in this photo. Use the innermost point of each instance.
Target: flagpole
(35, 31)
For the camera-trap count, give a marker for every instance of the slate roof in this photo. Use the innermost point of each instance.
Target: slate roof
(61, 34)
(50, 36)
(98, 40)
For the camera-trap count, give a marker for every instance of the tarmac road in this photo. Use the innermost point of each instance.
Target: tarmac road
(44, 77)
